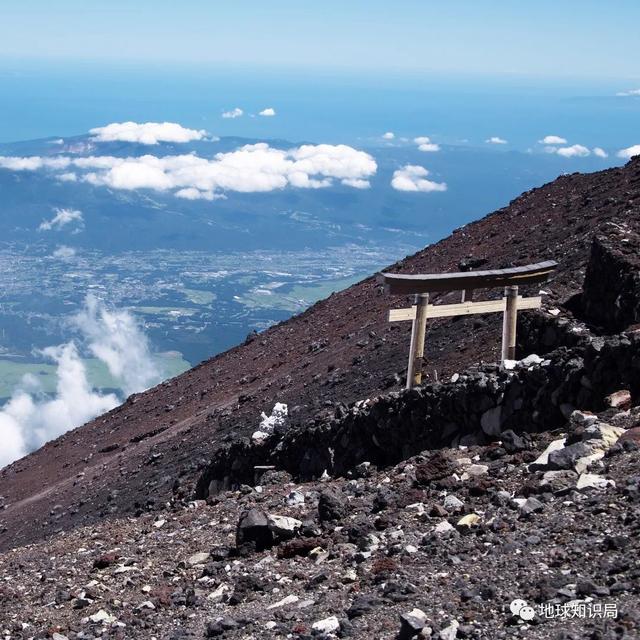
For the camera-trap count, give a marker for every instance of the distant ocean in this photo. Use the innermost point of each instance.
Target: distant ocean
(39, 100)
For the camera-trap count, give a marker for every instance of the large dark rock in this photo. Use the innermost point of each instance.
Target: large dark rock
(332, 506)
(437, 467)
(567, 457)
(253, 532)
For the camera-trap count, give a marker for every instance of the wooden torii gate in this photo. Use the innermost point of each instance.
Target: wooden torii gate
(423, 284)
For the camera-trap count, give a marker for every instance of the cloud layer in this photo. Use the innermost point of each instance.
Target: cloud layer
(268, 112)
(146, 133)
(413, 178)
(31, 418)
(251, 168)
(495, 140)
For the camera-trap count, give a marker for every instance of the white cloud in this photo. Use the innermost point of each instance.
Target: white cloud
(631, 92)
(268, 112)
(69, 176)
(233, 113)
(553, 140)
(61, 218)
(574, 151)
(33, 163)
(599, 152)
(146, 133)
(413, 178)
(389, 135)
(251, 168)
(496, 140)
(424, 144)
(629, 152)
(116, 338)
(64, 253)
(356, 183)
(31, 418)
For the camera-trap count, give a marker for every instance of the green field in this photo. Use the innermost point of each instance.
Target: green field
(198, 296)
(297, 297)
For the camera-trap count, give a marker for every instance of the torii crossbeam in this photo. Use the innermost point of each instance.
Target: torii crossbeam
(423, 284)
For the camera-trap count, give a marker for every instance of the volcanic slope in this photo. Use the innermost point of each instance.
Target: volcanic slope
(153, 447)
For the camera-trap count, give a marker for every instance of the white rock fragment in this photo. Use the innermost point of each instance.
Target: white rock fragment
(543, 459)
(283, 525)
(328, 625)
(470, 520)
(531, 360)
(593, 481)
(450, 632)
(198, 558)
(284, 602)
(294, 498)
(451, 503)
(349, 576)
(220, 594)
(443, 527)
(102, 616)
(475, 470)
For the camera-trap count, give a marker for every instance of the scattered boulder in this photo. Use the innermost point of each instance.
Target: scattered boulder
(512, 442)
(452, 503)
(619, 400)
(593, 481)
(332, 506)
(411, 624)
(567, 457)
(253, 532)
(531, 505)
(283, 527)
(106, 560)
(437, 467)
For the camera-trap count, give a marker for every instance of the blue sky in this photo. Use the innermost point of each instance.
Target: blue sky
(579, 38)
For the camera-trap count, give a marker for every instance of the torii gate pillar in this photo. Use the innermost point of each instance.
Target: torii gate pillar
(418, 334)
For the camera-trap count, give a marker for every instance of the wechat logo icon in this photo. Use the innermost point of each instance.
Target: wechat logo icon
(521, 608)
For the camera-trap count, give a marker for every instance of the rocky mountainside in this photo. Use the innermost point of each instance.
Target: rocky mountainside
(164, 519)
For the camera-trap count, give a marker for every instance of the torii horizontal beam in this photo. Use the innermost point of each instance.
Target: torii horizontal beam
(464, 308)
(403, 284)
